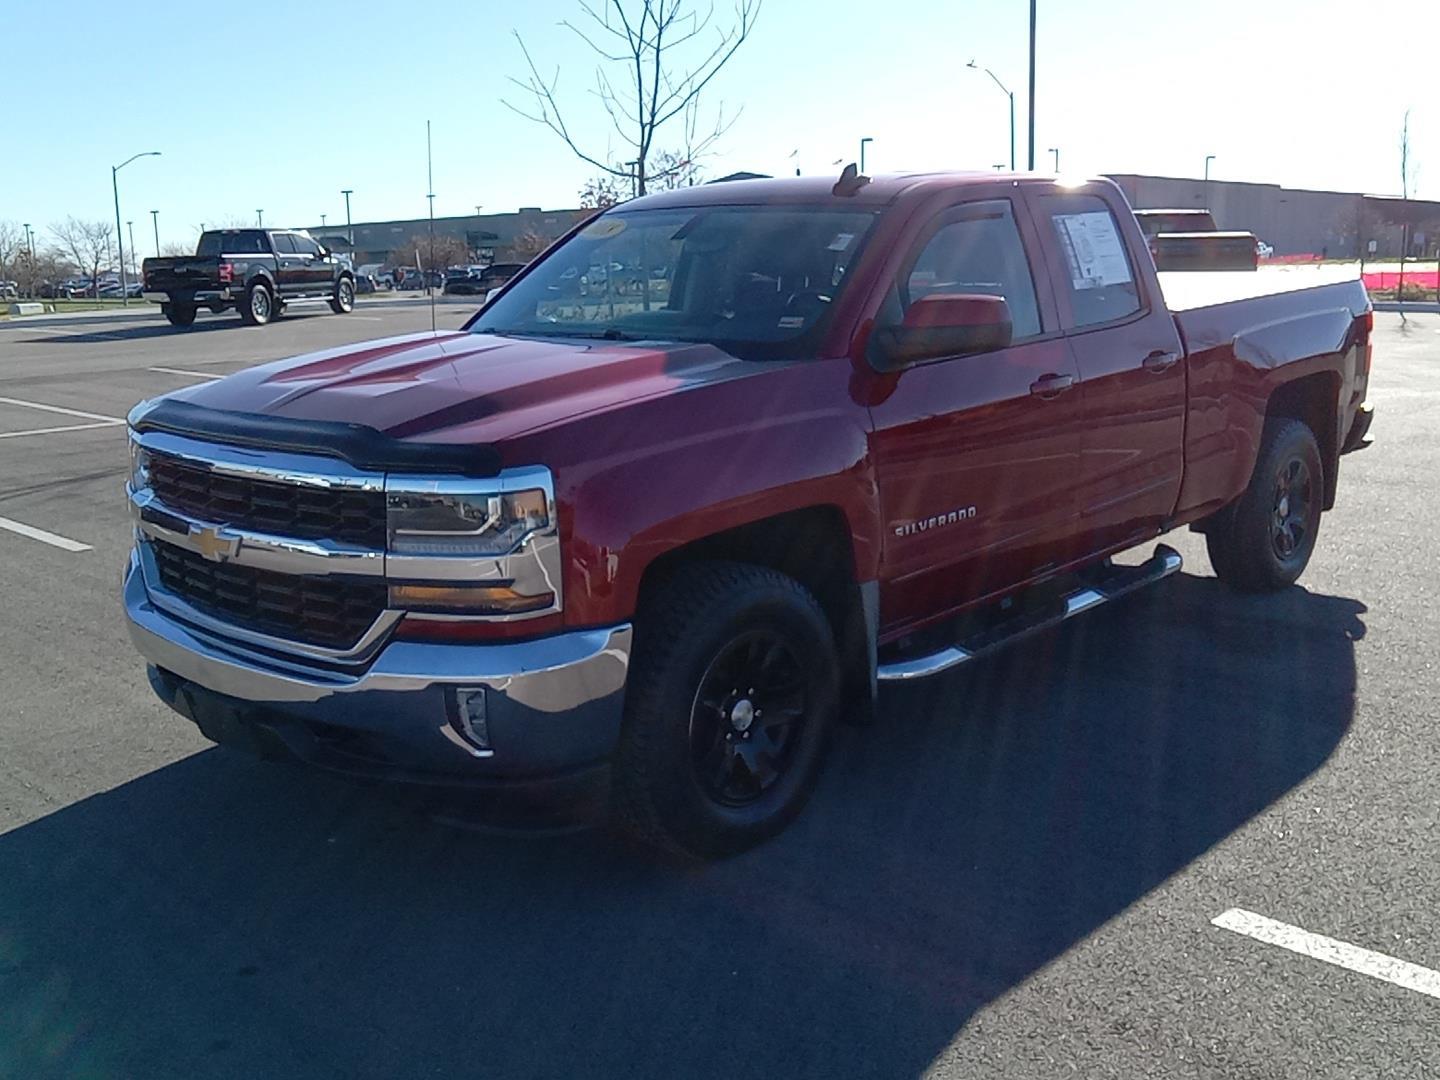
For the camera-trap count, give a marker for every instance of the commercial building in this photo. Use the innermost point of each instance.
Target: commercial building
(487, 237)
(1296, 221)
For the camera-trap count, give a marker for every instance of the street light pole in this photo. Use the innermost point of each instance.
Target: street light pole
(1056, 151)
(259, 219)
(1208, 158)
(119, 240)
(1032, 86)
(1006, 91)
(349, 231)
(863, 141)
(155, 221)
(130, 231)
(322, 220)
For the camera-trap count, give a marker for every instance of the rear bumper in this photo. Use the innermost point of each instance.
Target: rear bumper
(523, 716)
(189, 296)
(1359, 436)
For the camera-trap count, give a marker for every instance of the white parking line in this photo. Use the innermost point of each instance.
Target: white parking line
(182, 371)
(57, 430)
(1351, 957)
(62, 542)
(61, 411)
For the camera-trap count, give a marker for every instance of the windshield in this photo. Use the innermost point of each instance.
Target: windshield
(755, 280)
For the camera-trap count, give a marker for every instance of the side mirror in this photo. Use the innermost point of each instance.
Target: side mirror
(941, 325)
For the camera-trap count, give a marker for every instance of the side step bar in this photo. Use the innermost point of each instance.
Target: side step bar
(1096, 588)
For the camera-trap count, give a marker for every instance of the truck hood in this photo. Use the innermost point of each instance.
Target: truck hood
(420, 385)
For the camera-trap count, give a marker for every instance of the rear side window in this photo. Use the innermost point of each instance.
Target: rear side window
(1099, 277)
(977, 250)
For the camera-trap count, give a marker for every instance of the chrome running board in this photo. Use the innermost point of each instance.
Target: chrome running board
(1096, 588)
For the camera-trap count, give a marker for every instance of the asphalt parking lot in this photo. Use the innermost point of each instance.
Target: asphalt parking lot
(1015, 873)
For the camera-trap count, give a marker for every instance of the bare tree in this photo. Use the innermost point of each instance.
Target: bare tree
(656, 59)
(1404, 207)
(174, 249)
(12, 249)
(600, 193)
(527, 245)
(444, 250)
(88, 243)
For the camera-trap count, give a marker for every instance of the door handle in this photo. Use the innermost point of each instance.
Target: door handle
(1159, 361)
(1051, 386)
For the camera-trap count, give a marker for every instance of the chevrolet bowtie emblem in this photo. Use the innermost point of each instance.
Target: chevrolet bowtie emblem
(215, 544)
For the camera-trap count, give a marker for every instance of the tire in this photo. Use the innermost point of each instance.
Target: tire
(342, 302)
(257, 306)
(180, 314)
(1264, 541)
(700, 769)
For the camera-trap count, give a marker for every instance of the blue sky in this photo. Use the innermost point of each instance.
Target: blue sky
(334, 96)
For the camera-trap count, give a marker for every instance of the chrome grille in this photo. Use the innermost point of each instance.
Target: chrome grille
(329, 612)
(346, 516)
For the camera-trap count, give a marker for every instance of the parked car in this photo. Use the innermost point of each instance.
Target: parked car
(643, 557)
(365, 283)
(258, 272)
(1263, 250)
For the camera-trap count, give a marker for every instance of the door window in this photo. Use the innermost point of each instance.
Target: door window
(305, 246)
(284, 244)
(976, 250)
(1097, 272)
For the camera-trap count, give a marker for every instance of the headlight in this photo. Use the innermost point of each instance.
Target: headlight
(464, 524)
(139, 466)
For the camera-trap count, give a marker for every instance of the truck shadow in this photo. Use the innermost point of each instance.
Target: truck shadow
(160, 329)
(222, 917)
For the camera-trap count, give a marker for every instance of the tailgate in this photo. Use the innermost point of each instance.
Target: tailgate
(185, 272)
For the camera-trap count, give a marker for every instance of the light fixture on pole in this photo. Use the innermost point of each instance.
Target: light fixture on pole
(115, 187)
(155, 221)
(1056, 151)
(349, 231)
(863, 141)
(1031, 166)
(1006, 91)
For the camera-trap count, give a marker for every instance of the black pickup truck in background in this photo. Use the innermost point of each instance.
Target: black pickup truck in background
(259, 272)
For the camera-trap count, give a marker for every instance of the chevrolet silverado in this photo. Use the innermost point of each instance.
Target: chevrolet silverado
(640, 544)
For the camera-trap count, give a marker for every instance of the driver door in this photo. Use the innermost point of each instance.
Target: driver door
(976, 455)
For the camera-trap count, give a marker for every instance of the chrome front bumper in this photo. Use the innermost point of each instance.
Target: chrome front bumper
(550, 704)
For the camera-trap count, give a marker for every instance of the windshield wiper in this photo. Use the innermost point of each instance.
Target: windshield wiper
(608, 334)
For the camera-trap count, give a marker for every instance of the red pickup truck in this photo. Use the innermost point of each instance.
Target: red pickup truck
(711, 470)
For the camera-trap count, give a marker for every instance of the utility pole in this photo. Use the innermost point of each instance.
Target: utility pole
(155, 222)
(1032, 86)
(119, 240)
(349, 230)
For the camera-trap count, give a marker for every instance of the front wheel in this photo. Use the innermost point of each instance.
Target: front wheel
(730, 703)
(180, 314)
(257, 306)
(1264, 541)
(342, 302)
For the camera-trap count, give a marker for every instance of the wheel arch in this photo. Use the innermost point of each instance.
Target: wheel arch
(1314, 400)
(813, 545)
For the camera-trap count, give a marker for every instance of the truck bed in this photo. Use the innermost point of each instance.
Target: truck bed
(1185, 291)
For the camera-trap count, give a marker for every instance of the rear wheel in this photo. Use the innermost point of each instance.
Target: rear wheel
(730, 703)
(180, 314)
(342, 302)
(257, 306)
(1264, 541)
